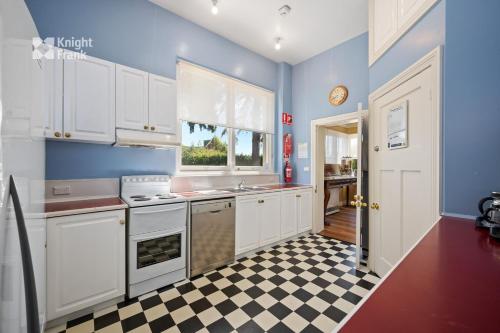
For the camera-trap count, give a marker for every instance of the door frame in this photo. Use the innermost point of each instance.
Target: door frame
(433, 59)
(318, 165)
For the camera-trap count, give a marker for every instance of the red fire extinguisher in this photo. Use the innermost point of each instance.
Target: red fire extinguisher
(288, 172)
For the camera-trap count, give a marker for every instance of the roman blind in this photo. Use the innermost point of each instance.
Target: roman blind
(212, 98)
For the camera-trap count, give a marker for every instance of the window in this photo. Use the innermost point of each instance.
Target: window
(226, 124)
(249, 148)
(204, 145)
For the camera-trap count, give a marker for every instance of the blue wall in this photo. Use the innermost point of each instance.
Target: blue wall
(284, 97)
(472, 104)
(142, 35)
(312, 81)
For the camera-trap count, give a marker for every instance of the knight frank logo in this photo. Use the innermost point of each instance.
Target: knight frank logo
(43, 48)
(58, 48)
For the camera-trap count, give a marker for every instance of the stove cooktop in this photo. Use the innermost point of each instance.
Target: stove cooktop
(147, 190)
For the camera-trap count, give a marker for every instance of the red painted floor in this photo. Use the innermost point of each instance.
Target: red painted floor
(449, 283)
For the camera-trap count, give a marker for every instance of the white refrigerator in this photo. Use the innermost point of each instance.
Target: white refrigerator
(22, 173)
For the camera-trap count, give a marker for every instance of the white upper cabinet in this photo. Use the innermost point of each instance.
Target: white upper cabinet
(389, 20)
(53, 97)
(162, 105)
(131, 98)
(89, 100)
(406, 9)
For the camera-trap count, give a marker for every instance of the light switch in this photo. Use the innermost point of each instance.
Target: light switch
(61, 190)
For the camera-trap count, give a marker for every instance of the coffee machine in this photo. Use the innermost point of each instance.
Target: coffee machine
(489, 208)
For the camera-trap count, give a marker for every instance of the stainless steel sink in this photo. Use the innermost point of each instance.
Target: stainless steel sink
(237, 190)
(246, 189)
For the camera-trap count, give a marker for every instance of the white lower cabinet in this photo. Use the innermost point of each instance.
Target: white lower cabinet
(289, 214)
(257, 221)
(269, 208)
(85, 261)
(304, 212)
(266, 218)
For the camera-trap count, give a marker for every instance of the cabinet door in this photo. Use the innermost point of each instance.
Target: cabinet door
(85, 261)
(131, 98)
(162, 105)
(52, 102)
(289, 211)
(247, 224)
(269, 215)
(384, 22)
(407, 9)
(305, 210)
(89, 99)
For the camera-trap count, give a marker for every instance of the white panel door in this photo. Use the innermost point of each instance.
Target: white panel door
(247, 224)
(402, 179)
(406, 9)
(162, 105)
(52, 102)
(384, 22)
(85, 261)
(269, 215)
(89, 100)
(289, 212)
(131, 98)
(304, 210)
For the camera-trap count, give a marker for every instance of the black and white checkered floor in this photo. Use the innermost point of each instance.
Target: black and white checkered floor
(304, 285)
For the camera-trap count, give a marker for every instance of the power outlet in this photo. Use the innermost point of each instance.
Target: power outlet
(61, 190)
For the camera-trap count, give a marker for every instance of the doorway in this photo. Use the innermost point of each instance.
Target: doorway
(404, 161)
(339, 176)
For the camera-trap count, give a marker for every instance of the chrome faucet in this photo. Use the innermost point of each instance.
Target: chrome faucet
(241, 185)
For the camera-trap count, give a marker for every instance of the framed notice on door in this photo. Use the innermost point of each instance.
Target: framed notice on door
(397, 127)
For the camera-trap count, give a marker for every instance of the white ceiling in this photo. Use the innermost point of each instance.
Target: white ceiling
(313, 26)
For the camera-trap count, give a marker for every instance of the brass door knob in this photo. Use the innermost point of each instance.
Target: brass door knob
(57, 134)
(67, 135)
(153, 128)
(146, 127)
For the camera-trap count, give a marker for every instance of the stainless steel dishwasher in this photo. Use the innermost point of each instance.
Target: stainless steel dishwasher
(212, 234)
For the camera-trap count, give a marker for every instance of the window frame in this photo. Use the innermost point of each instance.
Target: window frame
(231, 167)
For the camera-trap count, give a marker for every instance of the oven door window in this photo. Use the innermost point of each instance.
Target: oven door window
(158, 250)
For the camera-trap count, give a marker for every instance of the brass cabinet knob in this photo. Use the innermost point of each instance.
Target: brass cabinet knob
(260, 201)
(374, 206)
(122, 221)
(57, 134)
(364, 204)
(153, 128)
(146, 127)
(353, 203)
(67, 135)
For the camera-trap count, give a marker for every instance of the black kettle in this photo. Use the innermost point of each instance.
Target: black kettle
(490, 214)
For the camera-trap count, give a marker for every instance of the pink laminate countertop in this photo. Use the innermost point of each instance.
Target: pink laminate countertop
(62, 208)
(450, 282)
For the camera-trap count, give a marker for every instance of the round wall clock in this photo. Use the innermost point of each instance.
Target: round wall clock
(338, 95)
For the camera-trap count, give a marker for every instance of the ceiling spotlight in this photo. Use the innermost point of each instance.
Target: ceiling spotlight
(277, 44)
(215, 10)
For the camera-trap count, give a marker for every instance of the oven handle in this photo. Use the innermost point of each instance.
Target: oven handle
(157, 234)
(158, 211)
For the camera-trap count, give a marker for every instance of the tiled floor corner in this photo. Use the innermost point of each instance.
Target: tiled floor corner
(308, 284)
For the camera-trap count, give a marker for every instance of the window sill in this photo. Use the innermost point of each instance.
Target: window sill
(223, 173)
